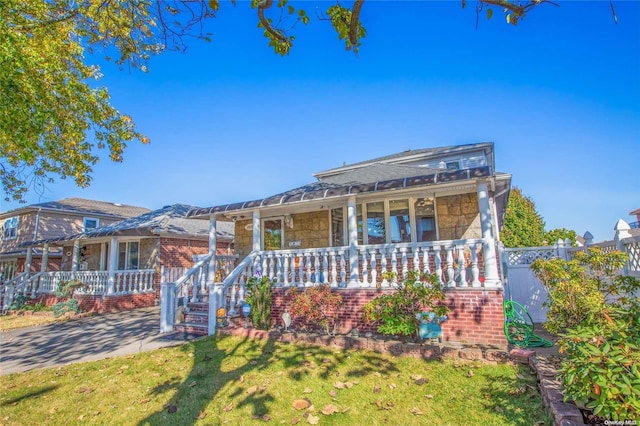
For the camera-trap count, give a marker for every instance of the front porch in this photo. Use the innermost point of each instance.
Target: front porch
(469, 273)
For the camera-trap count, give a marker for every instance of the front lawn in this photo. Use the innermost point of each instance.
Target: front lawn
(231, 380)
(22, 319)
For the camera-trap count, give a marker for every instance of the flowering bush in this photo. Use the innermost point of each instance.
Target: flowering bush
(315, 305)
(397, 313)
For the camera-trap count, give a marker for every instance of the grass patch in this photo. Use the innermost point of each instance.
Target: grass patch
(27, 319)
(230, 380)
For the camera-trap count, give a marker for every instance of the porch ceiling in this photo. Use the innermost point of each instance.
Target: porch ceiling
(320, 190)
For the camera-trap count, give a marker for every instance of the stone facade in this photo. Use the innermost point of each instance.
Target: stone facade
(311, 229)
(458, 217)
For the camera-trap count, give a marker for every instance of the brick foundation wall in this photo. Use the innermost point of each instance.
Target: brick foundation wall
(102, 304)
(475, 315)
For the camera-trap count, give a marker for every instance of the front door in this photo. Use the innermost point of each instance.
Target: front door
(272, 234)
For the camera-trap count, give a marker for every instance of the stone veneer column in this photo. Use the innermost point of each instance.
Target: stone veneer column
(491, 277)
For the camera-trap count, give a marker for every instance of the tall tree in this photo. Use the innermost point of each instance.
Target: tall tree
(551, 237)
(55, 121)
(523, 225)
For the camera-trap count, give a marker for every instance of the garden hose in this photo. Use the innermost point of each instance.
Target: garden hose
(518, 327)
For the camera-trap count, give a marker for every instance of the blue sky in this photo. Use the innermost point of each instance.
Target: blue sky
(559, 95)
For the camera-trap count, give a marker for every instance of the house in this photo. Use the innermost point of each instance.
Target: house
(435, 210)
(121, 264)
(635, 224)
(50, 220)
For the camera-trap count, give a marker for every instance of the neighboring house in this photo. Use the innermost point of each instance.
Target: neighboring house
(636, 223)
(434, 210)
(50, 220)
(121, 264)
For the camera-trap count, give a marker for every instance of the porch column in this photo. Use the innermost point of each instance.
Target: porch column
(76, 256)
(211, 272)
(256, 230)
(103, 256)
(352, 224)
(27, 264)
(45, 258)
(113, 264)
(491, 277)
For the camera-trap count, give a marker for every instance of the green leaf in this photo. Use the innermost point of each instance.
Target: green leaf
(489, 13)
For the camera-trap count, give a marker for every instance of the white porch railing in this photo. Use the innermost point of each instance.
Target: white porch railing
(96, 282)
(457, 263)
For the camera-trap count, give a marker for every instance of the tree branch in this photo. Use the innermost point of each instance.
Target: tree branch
(355, 18)
(265, 23)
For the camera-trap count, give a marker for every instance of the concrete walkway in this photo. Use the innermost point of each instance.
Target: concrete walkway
(85, 339)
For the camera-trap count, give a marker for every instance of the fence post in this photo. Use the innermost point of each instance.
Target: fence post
(588, 238)
(622, 231)
(215, 301)
(9, 292)
(167, 307)
(562, 249)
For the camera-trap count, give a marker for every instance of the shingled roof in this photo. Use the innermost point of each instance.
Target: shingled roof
(84, 206)
(167, 221)
(357, 182)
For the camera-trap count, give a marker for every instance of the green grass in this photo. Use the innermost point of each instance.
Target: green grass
(14, 321)
(229, 380)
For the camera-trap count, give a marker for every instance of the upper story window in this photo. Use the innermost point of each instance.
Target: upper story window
(10, 229)
(453, 165)
(90, 223)
(449, 165)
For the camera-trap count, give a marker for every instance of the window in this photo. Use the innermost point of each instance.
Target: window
(272, 234)
(376, 232)
(425, 219)
(10, 230)
(399, 222)
(360, 223)
(90, 223)
(337, 227)
(453, 165)
(128, 255)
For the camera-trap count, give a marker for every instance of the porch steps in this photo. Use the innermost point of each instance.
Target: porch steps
(196, 320)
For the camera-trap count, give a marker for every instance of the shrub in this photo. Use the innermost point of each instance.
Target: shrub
(62, 308)
(582, 286)
(19, 302)
(396, 312)
(259, 297)
(315, 305)
(599, 313)
(602, 366)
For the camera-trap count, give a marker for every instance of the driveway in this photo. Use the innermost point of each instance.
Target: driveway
(86, 339)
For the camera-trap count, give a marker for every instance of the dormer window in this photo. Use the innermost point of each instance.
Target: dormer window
(90, 223)
(453, 165)
(10, 230)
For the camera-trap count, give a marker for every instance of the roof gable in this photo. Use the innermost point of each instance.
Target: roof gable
(83, 206)
(413, 156)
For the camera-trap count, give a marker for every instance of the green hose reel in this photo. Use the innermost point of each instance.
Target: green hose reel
(518, 327)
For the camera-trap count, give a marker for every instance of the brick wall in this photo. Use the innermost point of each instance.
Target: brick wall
(102, 304)
(475, 315)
